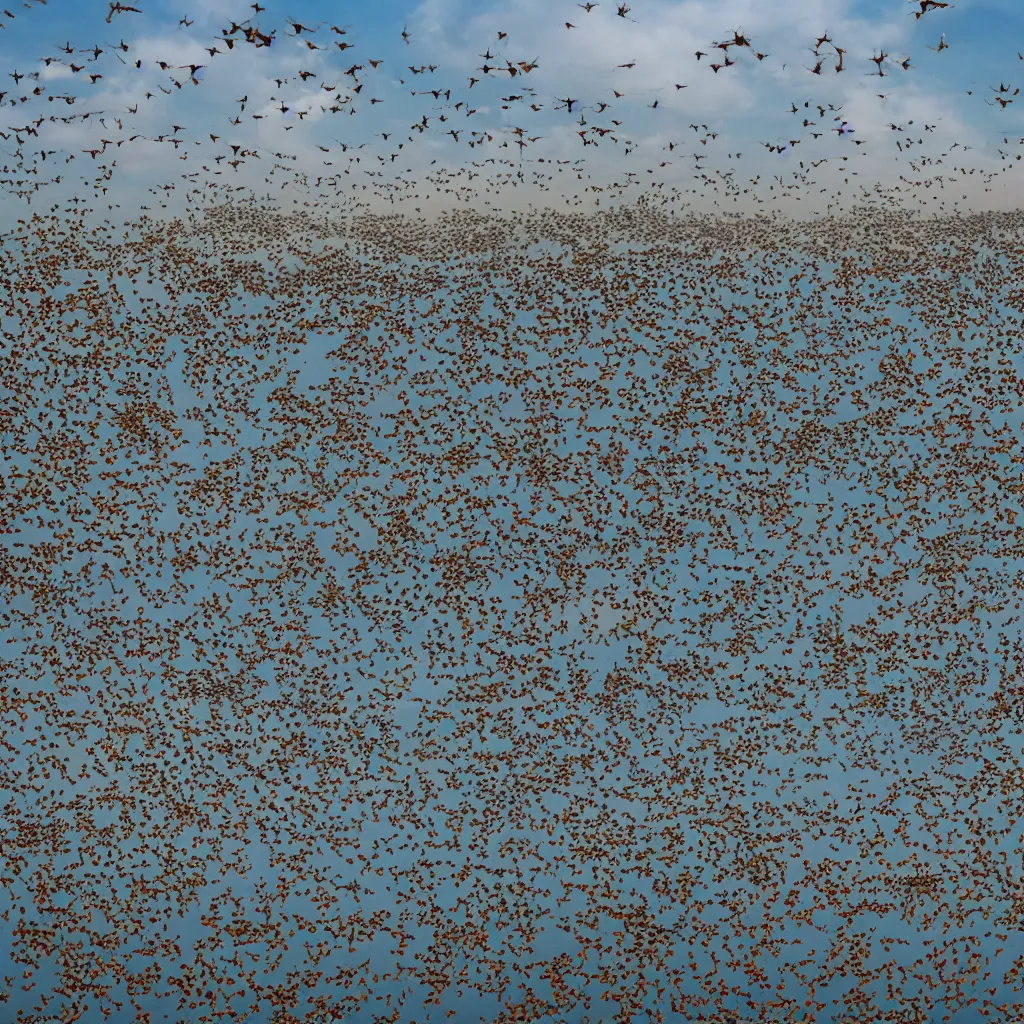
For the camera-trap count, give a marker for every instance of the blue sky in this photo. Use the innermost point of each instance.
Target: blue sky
(745, 106)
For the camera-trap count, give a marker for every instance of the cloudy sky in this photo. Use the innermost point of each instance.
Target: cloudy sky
(922, 129)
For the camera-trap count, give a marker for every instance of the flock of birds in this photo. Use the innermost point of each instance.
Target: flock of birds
(457, 112)
(557, 618)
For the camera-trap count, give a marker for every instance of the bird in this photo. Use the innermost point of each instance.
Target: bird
(119, 8)
(927, 5)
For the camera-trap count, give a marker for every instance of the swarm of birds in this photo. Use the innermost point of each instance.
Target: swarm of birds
(513, 615)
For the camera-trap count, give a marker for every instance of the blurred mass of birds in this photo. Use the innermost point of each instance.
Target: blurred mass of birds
(474, 549)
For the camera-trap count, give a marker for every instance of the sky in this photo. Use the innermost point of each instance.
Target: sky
(737, 112)
(745, 107)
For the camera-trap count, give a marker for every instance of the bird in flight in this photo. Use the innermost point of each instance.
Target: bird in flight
(927, 5)
(119, 8)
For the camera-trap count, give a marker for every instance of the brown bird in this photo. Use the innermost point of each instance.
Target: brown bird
(119, 8)
(927, 5)
(300, 28)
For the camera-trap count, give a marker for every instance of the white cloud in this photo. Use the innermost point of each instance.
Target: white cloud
(55, 71)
